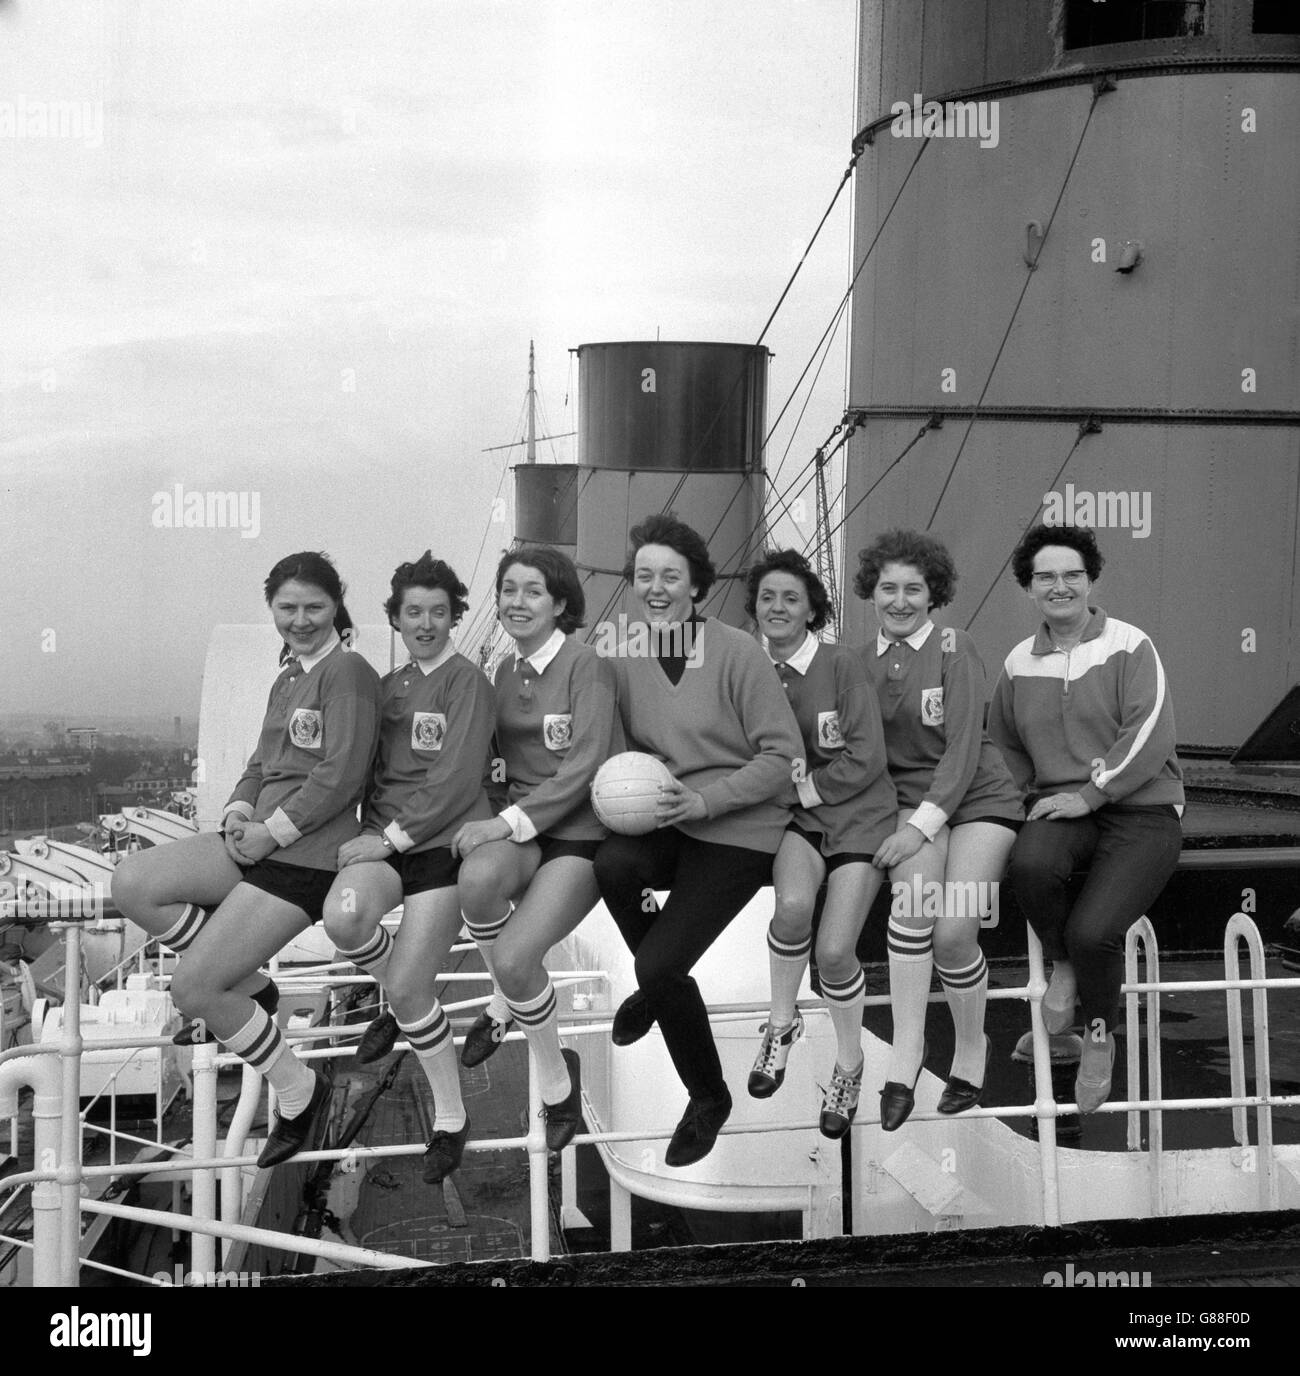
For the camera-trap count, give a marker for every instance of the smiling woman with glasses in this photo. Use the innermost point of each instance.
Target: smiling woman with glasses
(1083, 718)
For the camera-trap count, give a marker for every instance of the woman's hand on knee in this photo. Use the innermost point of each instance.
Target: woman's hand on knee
(902, 845)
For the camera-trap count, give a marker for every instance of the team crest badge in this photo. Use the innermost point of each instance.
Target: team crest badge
(428, 729)
(557, 730)
(828, 731)
(306, 729)
(932, 706)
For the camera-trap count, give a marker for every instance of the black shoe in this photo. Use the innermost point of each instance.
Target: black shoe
(483, 1039)
(897, 1101)
(698, 1131)
(564, 1119)
(267, 997)
(443, 1154)
(290, 1134)
(378, 1039)
(633, 1020)
(958, 1094)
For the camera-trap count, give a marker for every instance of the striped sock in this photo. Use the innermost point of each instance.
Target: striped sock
(539, 1020)
(430, 1038)
(787, 960)
(260, 1044)
(844, 1003)
(966, 990)
(184, 932)
(372, 956)
(485, 936)
(911, 960)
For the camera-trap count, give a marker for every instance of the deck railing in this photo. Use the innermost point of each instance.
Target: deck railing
(53, 1073)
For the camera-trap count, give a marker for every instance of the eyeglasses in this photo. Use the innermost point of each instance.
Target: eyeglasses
(1075, 578)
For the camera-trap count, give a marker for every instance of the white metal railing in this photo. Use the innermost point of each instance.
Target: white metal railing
(53, 1073)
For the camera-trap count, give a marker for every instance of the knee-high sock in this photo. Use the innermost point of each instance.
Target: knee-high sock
(260, 1044)
(430, 1038)
(485, 935)
(787, 960)
(966, 990)
(185, 930)
(911, 960)
(844, 1003)
(539, 1020)
(372, 956)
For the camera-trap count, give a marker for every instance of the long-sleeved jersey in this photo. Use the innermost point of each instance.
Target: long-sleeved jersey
(433, 748)
(313, 758)
(1095, 720)
(931, 692)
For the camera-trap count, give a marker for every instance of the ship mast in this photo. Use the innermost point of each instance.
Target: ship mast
(531, 452)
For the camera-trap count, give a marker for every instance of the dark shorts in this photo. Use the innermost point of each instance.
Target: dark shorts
(296, 884)
(1012, 824)
(423, 870)
(554, 848)
(833, 862)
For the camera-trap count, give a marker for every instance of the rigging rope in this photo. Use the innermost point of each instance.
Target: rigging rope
(1099, 87)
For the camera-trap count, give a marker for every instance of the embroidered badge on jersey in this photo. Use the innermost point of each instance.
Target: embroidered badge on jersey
(828, 731)
(932, 706)
(557, 730)
(306, 728)
(428, 730)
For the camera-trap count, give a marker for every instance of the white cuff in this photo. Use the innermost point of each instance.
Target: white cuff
(282, 829)
(808, 794)
(242, 808)
(521, 829)
(398, 839)
(929, 820)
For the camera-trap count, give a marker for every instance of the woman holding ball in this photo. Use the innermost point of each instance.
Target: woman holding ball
(526, 876)
(705, 700)
(846, 809)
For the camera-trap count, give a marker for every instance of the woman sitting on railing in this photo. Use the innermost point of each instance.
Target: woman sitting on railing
(428, 781)
(230, 901)
(705, 700)
(526, 879)
(1082, 715)
(959, 813)
(847, 807)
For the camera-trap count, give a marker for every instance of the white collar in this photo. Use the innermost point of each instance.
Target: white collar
(803, 656)
(539, 659)
(915, 640)
(427, 667)
(309, 662)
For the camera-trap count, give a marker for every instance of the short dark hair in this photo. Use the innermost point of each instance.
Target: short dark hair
(665, 529)
(314, 567)
(427, 572)
(561, 581)
(914, 547)
(1078, 538)
(789, 561)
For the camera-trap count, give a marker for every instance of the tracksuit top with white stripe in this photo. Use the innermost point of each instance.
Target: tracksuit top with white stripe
(553, 731)
(313, 758)
(1095, 720)
(724, 730)
(931, 692)
(433, 749)
(846, 794)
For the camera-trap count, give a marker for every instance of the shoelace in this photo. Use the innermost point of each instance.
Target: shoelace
(774, 1043)
(843, 1093)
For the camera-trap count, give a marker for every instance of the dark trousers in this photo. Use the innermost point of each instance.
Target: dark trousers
(709, 885)
(1129, 854)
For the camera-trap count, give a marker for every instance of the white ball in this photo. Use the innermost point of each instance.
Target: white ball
(626, 789)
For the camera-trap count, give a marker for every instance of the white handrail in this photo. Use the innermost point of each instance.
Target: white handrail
(1141, 940)
(1241, 928)
(60, 1174)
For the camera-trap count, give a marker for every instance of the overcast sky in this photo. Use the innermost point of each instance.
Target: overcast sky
(297, 250)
